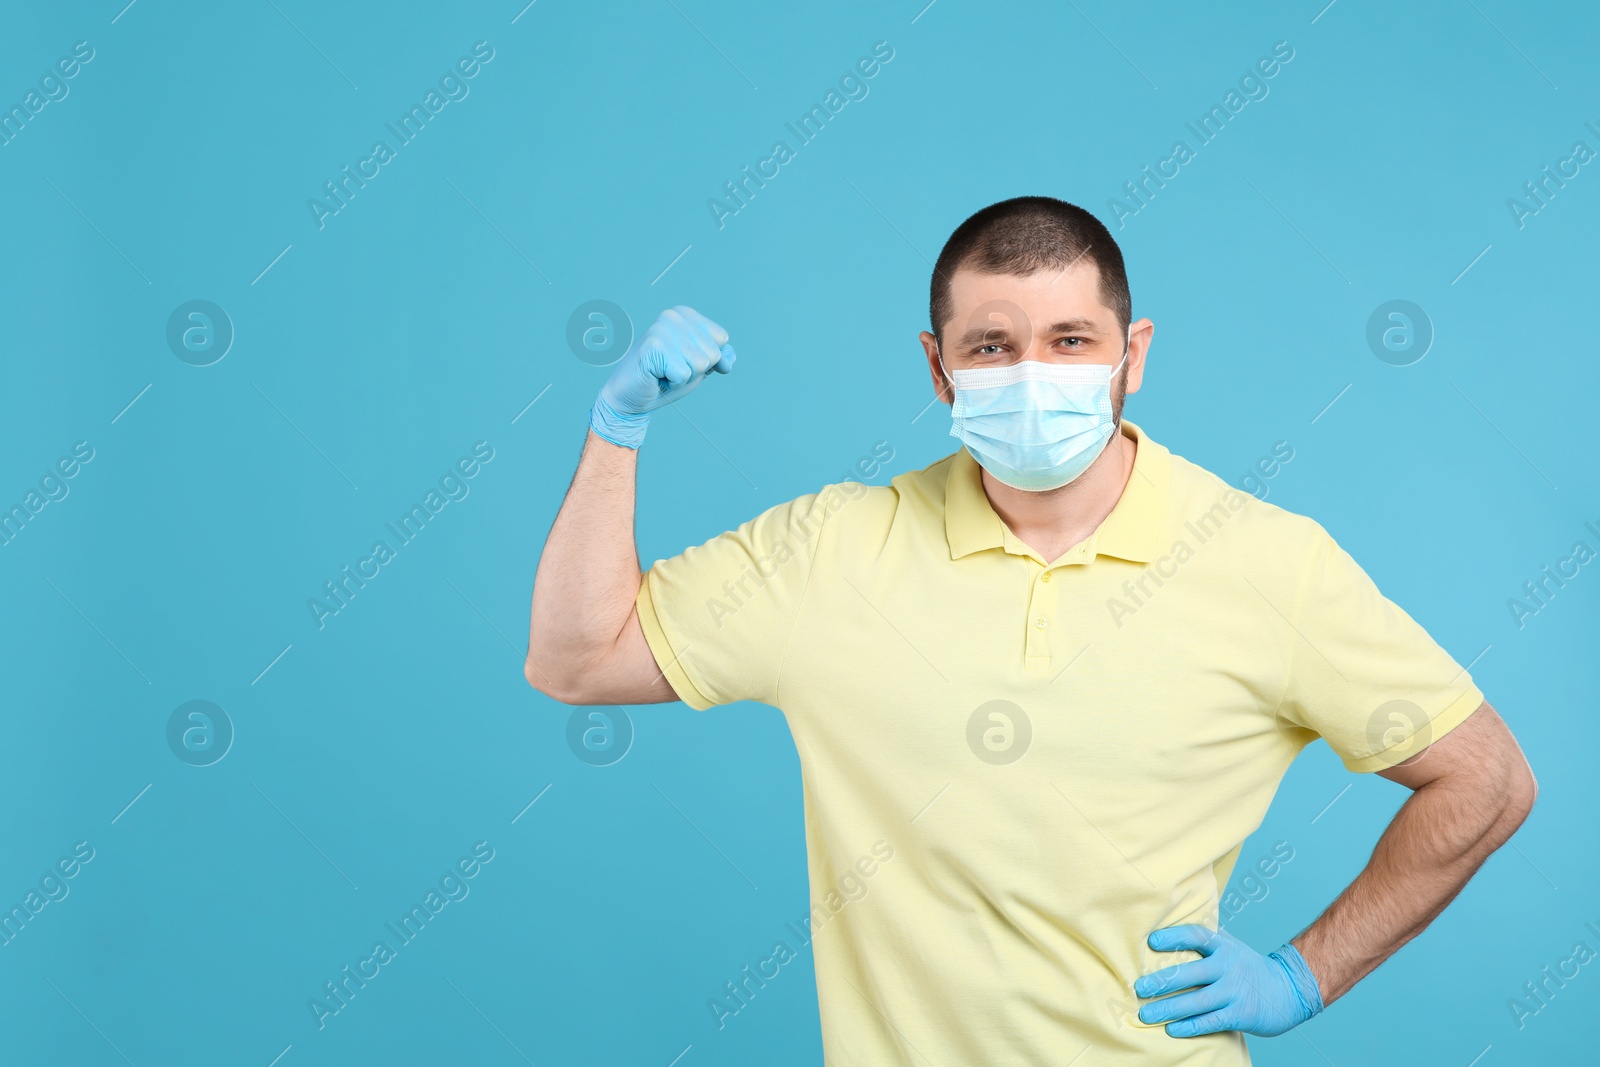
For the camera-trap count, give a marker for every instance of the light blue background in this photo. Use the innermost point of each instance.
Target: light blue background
(432, 309)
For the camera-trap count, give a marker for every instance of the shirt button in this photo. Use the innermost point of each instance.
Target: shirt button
(1039, 622)
(1046, 577)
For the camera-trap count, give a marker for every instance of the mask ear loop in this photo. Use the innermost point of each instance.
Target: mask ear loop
(1116, 427)
(1126, 343)
(944, 370)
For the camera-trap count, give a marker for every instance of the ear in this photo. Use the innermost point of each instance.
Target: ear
(1141, 331)
(930, 347)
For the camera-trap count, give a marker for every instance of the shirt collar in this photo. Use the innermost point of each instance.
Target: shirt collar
(1133, 530)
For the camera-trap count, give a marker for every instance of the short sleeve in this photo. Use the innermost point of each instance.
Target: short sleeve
(1363, 674)
(718, 616)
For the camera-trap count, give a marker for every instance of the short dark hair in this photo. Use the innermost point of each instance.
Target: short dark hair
(1028, 234)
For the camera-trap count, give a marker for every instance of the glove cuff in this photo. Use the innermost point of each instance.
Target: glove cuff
(1301, 980)
(625, 430)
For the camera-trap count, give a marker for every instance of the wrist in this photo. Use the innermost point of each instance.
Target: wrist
(625, 429)
(1301, 980)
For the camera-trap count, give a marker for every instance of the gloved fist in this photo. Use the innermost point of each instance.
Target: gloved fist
(1233, 988)
(675, 354)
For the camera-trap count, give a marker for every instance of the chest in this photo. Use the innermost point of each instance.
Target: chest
(1100, 670)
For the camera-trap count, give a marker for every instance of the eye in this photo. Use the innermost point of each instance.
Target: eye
(989, 350)
(1073, 342)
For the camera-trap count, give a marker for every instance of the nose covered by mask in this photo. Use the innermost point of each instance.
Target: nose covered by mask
(1033, 425)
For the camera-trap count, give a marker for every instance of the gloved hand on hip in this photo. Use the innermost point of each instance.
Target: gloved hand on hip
(675, 354)
(1233, 988)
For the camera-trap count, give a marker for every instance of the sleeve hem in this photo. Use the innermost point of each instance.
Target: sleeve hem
(670, 662)
(1442, 723)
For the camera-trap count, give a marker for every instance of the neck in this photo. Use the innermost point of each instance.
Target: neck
(1056, 520)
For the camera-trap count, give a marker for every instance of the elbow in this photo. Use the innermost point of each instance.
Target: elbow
(557, 678)
(544, 676)
(1517, 799)
(1523, 794)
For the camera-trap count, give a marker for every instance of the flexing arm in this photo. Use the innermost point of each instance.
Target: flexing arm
(1472, 789)
(585, 645)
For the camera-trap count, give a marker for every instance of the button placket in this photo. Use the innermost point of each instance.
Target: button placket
(1038, 621)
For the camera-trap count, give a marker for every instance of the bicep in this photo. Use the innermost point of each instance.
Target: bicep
(629, 674)
(1481, 748)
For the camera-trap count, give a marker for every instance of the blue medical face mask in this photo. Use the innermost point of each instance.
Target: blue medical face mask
(1033, 425)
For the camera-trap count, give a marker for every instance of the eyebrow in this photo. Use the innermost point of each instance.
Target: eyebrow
(987, 334)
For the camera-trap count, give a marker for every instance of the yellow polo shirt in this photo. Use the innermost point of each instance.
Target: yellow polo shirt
(1016, 768)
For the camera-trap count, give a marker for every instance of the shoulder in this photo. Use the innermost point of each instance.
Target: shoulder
(861, 511)
(1267, 536)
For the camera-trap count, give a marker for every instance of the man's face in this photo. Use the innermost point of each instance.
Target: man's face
(1051, 316)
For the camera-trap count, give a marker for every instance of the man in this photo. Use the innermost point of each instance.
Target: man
(1056, 676)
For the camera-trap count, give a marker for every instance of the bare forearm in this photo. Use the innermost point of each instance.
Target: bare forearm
(1434, 845)
(588, 574)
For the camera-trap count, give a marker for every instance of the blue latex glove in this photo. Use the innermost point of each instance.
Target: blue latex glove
(675, 354)
(1233, 988)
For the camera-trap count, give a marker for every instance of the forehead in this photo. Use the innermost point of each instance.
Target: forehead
(1044, 296)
